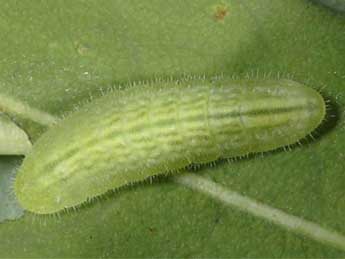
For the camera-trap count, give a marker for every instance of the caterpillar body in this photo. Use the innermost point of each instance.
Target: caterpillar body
(129, 135)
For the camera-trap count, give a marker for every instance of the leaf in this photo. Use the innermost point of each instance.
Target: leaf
(13, 140)
(337, 5)
(55, 54)
(9, 208)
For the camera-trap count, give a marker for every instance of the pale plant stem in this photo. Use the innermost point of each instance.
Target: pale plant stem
(13, 139)
(12, 106)
(255, 208)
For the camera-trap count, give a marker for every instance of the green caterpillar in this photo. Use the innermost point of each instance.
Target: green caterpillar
(129, 135)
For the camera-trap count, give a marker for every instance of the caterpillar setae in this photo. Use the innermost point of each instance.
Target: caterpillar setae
(129, 135)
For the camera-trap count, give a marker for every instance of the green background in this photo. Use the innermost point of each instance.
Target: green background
(56, 54)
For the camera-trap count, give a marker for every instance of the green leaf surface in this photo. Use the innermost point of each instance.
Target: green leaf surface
(56, 54)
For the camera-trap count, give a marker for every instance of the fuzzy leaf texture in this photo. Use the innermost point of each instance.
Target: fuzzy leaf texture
(56, 54)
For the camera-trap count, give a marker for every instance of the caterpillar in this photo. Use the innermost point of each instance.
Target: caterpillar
(132, 134)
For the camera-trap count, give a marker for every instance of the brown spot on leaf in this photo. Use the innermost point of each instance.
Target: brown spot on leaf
(221, 11)
(152, 230)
